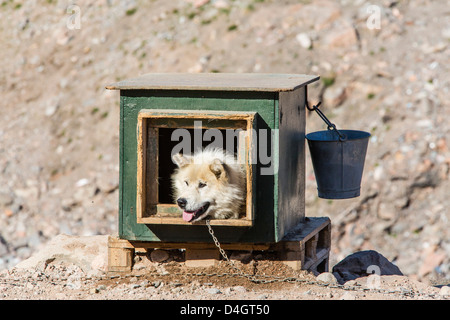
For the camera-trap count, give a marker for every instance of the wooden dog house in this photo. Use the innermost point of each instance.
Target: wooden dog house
(265, 110)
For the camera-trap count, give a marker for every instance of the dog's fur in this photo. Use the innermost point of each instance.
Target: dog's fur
(210, 184)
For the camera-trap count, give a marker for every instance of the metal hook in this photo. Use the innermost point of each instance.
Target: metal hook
(330, 125)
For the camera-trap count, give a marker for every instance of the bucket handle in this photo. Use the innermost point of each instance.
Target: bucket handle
(330, 125)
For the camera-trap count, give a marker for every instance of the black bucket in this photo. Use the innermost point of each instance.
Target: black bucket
(338, 163)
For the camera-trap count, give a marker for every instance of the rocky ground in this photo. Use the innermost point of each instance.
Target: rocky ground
(67, 282)
(59, 126)
(74, 267)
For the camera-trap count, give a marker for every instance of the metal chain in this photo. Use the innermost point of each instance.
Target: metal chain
(224, 255)
(239, 273)
(272, 279)
(253, 278)
(216, 241)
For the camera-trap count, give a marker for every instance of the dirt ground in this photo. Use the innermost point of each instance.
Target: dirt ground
(261, 278)
(59, 131)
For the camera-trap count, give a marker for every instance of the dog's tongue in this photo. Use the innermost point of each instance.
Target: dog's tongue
(188, 216)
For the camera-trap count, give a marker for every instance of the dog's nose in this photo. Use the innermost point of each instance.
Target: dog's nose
(181, 202)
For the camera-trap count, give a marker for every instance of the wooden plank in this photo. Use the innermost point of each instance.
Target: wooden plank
(184, 118)
(151, 170)
(306, 229)
(188, 113)
(122, 243)
(243, 222)
(325, 237)
(250, 142)
(305, 249)
(293, 259)
(120, 255)
(298, 238)
(216, 81)
(201, 257)
(291, 161)
(148, 210)
(141, 166)
(292, 242)
(321, 255)
(188, 123)
(167, 210)
(114, 242)
(311, 247)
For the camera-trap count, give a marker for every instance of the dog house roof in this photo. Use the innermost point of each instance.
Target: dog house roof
(267, 82)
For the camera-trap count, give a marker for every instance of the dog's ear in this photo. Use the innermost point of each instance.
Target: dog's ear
(218, 168)
(181, 160)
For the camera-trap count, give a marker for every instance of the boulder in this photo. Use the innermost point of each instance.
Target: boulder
(327, 277)
(364, 263)
(90, 253)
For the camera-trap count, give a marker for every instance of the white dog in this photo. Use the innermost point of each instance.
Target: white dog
(210, 183)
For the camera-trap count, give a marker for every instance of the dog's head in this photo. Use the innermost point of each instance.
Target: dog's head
(197, 185)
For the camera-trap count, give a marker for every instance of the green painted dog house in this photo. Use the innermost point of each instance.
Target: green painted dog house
(261, 117)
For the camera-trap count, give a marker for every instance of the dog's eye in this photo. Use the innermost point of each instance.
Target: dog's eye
(187, 183)
(201, 185)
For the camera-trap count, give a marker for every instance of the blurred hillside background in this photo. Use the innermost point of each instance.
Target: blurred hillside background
(384, 68)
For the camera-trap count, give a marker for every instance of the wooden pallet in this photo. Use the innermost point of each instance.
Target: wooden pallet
(306, 247)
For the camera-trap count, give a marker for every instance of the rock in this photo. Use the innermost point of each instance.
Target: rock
(176, 284)
(81, 183)
(221, 4)
(307, 293)
(341, 36)
(334, 96)
(3, 246)
(427, 48)
(159, 255)
(108, 186)
(145, 283)
(51, 108)
(321, 14)
(213, 291)
(433, 258)
(198, 3)
(445, 291)
(327, 277)
(61, 36)
(242, 256)
(93, 290)
(240, 289)
(304, 40)
(5, 199)
(363, 263)
(386, 211)
(348, 296)
(429, 178)
(87, 252)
